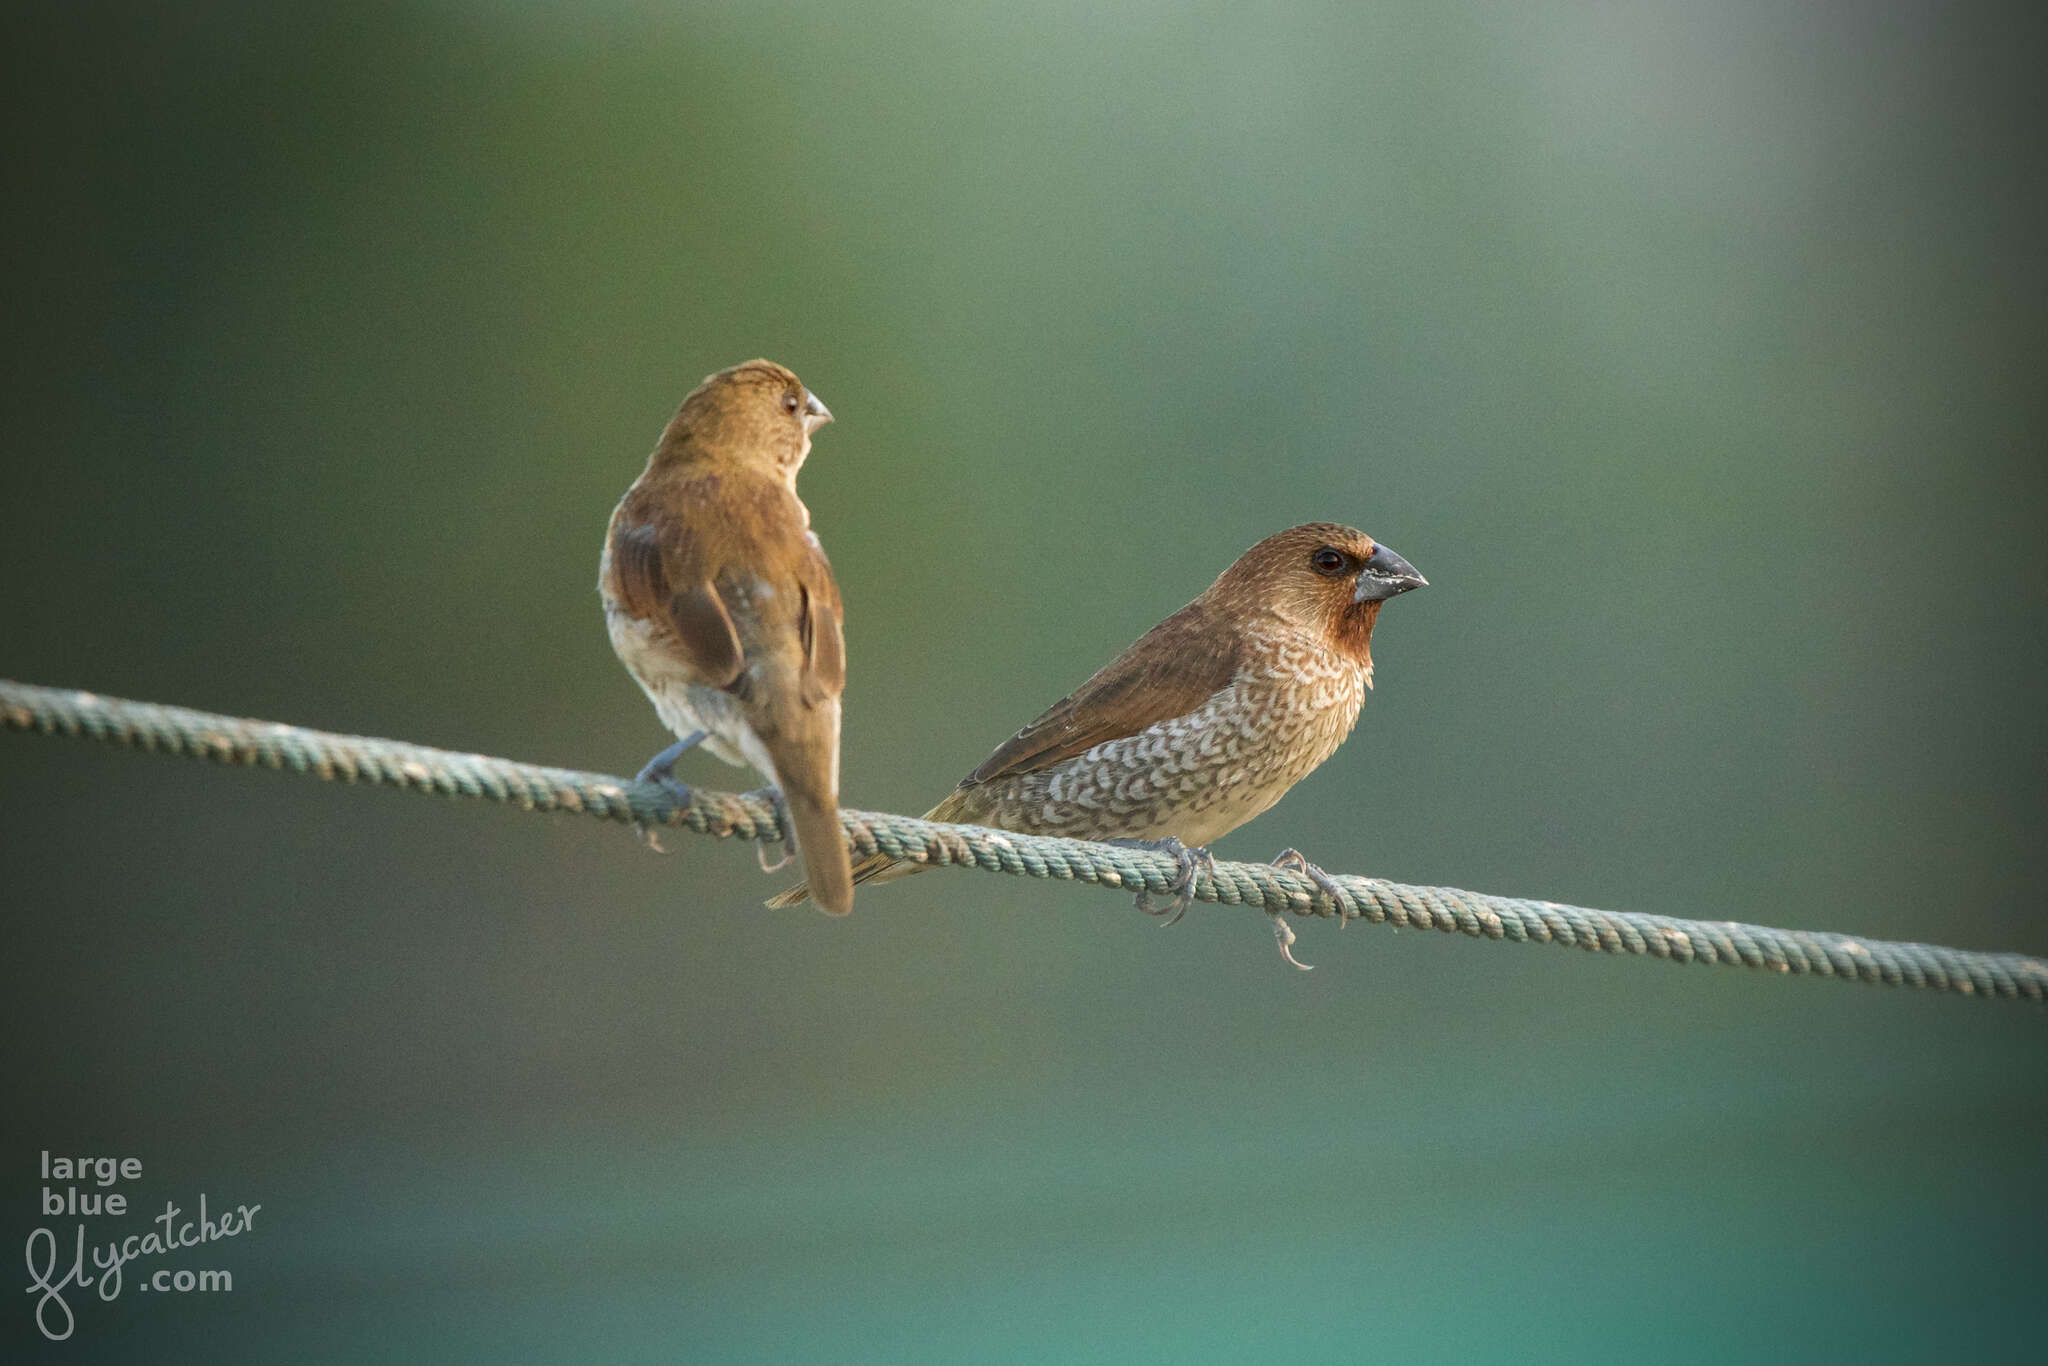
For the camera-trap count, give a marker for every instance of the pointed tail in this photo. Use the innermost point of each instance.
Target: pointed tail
(827, 868)
(876, 867)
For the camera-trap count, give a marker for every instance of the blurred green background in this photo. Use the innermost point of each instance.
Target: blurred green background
(1696, 353)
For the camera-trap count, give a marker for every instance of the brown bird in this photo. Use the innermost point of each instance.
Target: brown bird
(1202, 724)
(722, 606)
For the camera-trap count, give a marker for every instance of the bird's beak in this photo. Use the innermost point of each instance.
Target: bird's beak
(1385, 575)
(816, 414)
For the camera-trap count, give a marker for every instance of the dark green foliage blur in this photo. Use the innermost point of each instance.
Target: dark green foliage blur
(1694, 352)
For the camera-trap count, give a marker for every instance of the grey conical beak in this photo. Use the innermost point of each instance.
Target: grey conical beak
(1385, 575)
(816, 414)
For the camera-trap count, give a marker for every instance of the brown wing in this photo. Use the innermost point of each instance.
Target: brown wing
(1172, 669)
(737, 539)
(797, 670)
(820, 626)
(663, 587)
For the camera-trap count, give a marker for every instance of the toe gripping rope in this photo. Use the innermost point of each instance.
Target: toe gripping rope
(751, 816)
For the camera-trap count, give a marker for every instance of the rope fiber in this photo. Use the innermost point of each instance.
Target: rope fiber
(751, 816)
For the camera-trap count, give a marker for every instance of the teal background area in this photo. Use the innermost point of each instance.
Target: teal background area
(1694, 352)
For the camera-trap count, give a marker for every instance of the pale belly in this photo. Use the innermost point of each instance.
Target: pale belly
(685, 707)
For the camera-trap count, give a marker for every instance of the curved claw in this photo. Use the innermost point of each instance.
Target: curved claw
(1172, 910)
(1187, 863)
(676, 789)
(1294, 862)
(1284, 932)
(773, 796)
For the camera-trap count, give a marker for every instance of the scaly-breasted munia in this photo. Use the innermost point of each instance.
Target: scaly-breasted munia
(1206, 721)
(722, 606)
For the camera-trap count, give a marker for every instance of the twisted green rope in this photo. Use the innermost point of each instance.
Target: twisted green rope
(393, 763)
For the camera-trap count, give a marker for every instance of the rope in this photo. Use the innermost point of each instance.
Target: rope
(394, 763)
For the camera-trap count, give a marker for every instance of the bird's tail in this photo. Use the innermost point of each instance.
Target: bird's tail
(827, 868)
(872, 868)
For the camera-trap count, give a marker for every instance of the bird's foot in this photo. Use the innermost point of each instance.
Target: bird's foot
(1294, 862)
(679, 791)
(661, 771)
(1187, 863)
(773, 796)
(1284, 933)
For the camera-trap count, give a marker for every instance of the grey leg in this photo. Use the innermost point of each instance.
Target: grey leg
(1294, 861)
(1187, 863)
(661, 771)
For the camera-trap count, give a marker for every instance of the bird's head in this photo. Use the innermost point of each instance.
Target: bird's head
(1323, 576)
(756, 410)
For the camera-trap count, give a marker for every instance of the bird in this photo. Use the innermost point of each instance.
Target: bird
(721, 604)
(1203, 723)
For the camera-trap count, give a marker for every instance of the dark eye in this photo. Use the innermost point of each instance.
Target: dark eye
(1328, 560)
(789, 403)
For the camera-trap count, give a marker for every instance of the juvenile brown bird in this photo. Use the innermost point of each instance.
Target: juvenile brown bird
(1203, 723)
(722, 606)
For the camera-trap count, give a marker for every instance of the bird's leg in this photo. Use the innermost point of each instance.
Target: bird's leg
(1294, 862)
(773, 796)
(661, 771)
(1187, 862)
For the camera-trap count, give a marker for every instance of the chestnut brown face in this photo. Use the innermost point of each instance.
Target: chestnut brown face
(1322, 572)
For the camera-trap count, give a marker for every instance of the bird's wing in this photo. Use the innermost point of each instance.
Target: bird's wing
(1174, 668)
(667, 585)
(796, 671)
(771, 568)
(820, 619)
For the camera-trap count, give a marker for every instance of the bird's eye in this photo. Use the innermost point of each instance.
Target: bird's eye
(1328, 560)
(790, 403)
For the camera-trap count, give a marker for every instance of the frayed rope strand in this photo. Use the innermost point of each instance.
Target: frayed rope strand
(394, 763)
